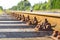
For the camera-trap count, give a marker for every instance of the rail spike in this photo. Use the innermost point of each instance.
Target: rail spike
(45, 26)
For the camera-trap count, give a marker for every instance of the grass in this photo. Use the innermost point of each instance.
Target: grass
(1, 12)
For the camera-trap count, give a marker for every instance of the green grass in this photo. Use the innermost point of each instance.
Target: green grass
(1, 12)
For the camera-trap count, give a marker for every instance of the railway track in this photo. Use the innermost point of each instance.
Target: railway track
(13, 28)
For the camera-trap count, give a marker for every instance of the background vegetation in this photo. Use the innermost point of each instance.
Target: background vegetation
(1, 9)
(51, 4)
(25, 5)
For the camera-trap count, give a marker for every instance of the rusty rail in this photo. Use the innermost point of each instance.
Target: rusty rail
(53, 18)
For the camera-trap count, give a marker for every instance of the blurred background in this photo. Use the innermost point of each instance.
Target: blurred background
(27, 5)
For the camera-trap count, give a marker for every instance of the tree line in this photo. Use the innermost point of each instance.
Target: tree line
(1, 8)
(25, 5)
(22, 5)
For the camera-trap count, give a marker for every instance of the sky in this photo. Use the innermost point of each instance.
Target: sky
(9, 3)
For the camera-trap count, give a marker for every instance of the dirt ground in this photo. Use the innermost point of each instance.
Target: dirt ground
(39, 38)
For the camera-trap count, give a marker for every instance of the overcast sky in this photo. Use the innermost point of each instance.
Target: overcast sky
(9, 3)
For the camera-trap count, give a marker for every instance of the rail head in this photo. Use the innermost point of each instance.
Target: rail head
(56, 15)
